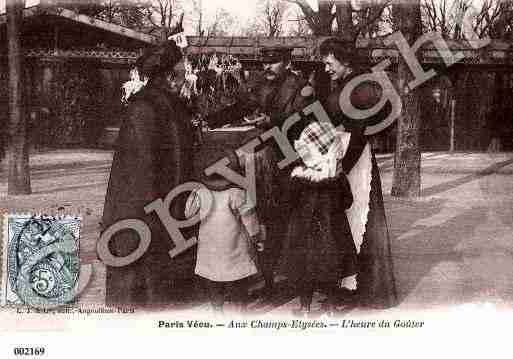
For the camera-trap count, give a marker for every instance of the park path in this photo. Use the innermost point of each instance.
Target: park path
(453, 245)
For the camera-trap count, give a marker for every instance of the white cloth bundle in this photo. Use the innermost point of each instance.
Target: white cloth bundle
(323, 166)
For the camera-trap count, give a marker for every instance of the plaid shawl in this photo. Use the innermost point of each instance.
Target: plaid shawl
(315, 143)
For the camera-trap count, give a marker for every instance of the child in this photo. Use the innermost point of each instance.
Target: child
(228, 234)
(319, 251)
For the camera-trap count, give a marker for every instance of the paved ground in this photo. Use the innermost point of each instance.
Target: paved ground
(453, 245)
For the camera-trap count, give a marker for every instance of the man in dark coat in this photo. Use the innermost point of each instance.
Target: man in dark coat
(375, 279)
(278, 93)
(153, 156)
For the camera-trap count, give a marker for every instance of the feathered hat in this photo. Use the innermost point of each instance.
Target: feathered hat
(159, 59)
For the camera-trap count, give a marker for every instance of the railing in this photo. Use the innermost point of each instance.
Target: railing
(252, 52)
(104, 55)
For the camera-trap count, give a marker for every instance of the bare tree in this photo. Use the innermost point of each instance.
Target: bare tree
(299, 25)
(198, 8)
(165, 15)
(195, 17)
(367, 17)
(406, 180)
(320, 21)
(444, 16)
(17, 151)
(222, 24)
(353, 21)
(273, 16)
(252, 28)
(343, 18)
(492, 18)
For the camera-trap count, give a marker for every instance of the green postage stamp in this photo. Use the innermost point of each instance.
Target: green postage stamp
(40, 260)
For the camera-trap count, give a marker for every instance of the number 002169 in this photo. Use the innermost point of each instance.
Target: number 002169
(29, 351)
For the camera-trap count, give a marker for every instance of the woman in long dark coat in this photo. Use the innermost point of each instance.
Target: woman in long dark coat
(153, 156)
(375, 280)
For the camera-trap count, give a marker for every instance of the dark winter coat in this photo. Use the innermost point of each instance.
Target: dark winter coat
(319, 247)
(376, 281)
(153, 156)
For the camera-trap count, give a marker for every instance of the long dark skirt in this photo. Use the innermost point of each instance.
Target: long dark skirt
(376, 281)
(319, 246)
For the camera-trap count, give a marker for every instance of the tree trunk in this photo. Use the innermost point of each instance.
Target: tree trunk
(200, 20)
(17, 153)
(321, 21)
(325, 19)
(345, 28)
(406, 181)
(491, 104)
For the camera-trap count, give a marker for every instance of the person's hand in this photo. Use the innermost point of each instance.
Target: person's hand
(253, 119)
(258, 241)
(196, 121)
(260, 246)
(262, 119)
(337, 148)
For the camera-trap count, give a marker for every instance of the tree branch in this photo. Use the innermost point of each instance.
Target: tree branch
(371, 18)
(307, 10)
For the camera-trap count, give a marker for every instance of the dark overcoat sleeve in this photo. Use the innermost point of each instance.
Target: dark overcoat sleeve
(363, 97)
(143, 134)
(246, 103)
(132, 177)
(229, 114)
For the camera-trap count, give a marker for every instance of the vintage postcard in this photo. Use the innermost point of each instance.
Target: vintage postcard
(260, 168)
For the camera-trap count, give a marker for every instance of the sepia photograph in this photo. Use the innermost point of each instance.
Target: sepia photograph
(255, 165)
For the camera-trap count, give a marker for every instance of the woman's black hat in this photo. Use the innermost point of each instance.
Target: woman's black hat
(159, 59)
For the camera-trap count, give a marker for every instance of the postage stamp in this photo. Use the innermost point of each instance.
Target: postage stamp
(40, 260)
